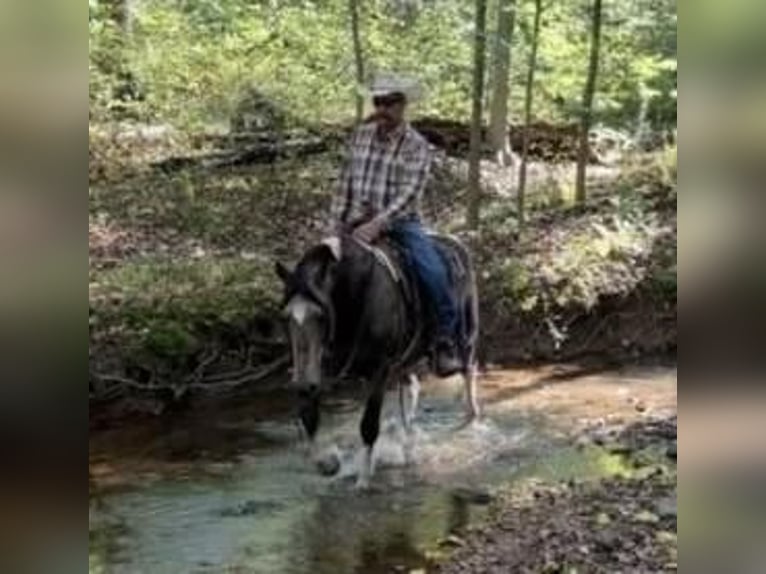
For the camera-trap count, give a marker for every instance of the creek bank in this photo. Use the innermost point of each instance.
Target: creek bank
(617, 524)
(183, 299)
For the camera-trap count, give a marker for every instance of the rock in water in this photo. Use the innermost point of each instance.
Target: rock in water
(249, 508)
(478, 496)
(328, 464)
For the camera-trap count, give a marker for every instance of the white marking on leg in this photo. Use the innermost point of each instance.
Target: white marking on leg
(403, 407)
(470, 378)
(409, 393)
(414, 396)
(314, 451)
(408, 403)
(366, 469)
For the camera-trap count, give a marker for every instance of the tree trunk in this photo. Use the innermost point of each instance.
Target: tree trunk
(121, 13)
(639, 134)
(474, 156)
(498, 116)
(126, 89)
(528, 101)
(587, 104)
(358, 57)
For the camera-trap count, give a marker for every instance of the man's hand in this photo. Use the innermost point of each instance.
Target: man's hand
(369, 231)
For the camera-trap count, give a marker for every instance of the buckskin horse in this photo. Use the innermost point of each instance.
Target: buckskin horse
(352, 312)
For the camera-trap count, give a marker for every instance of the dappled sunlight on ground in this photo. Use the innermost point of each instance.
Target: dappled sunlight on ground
(570, 396)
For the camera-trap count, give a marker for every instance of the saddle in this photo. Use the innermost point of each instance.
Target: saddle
(393, 259)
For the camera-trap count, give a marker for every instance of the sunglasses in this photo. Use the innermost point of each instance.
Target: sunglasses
(388, 101)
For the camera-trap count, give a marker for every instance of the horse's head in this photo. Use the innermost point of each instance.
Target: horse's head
(309, 311)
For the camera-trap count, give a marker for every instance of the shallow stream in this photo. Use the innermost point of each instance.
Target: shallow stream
(262, 509)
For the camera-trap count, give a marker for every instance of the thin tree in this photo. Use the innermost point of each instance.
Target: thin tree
(358, 57)
(528, 103)
(121, 13)
(126, 90)
(586, 118)
(501, 70)
(474, 155)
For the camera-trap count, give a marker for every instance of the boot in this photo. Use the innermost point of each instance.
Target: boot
(447, 361)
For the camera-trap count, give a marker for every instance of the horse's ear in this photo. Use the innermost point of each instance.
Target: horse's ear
(335, 246)
(283, 272)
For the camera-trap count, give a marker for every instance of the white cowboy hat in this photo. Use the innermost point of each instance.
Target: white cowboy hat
(385, 84)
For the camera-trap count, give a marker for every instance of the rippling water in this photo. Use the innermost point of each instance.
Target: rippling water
(269, 512)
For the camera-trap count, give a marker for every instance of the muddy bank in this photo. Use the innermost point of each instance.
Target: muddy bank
(617, 524)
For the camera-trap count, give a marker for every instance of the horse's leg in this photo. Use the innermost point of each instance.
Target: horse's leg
(470, 351)
(308, 411)
(409, 394)
(370, 428)
(470, 377)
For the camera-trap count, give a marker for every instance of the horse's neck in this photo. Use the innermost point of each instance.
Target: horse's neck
(354, 274)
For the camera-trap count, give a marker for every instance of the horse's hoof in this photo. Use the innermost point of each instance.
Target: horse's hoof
(362, 485)
(471, 420)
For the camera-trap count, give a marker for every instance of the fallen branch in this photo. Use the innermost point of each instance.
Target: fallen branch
(224, 381)
(264, 152)
(229, 381)
(125, 382)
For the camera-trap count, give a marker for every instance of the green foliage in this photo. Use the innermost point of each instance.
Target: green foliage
(570, 264)
(638, 45)
(177, 261)
(193, 61)
(605, 256)
(104, 63)
(161, 309)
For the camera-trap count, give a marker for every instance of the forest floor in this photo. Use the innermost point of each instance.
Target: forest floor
(183, 297)
(616, 525)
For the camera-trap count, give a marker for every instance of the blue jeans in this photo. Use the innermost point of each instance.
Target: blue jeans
(431, 271)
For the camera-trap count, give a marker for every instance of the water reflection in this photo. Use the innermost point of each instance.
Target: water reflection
(353, 532)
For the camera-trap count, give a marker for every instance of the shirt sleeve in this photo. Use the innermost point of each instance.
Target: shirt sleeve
(416, 164)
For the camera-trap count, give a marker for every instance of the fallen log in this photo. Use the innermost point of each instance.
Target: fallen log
(259, 153)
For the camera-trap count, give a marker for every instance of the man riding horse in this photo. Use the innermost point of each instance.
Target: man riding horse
(381, 187)
(351, 311)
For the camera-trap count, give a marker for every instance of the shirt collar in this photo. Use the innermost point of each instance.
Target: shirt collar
(393, 134)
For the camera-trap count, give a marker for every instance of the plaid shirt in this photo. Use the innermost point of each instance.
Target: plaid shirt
(383, 176)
